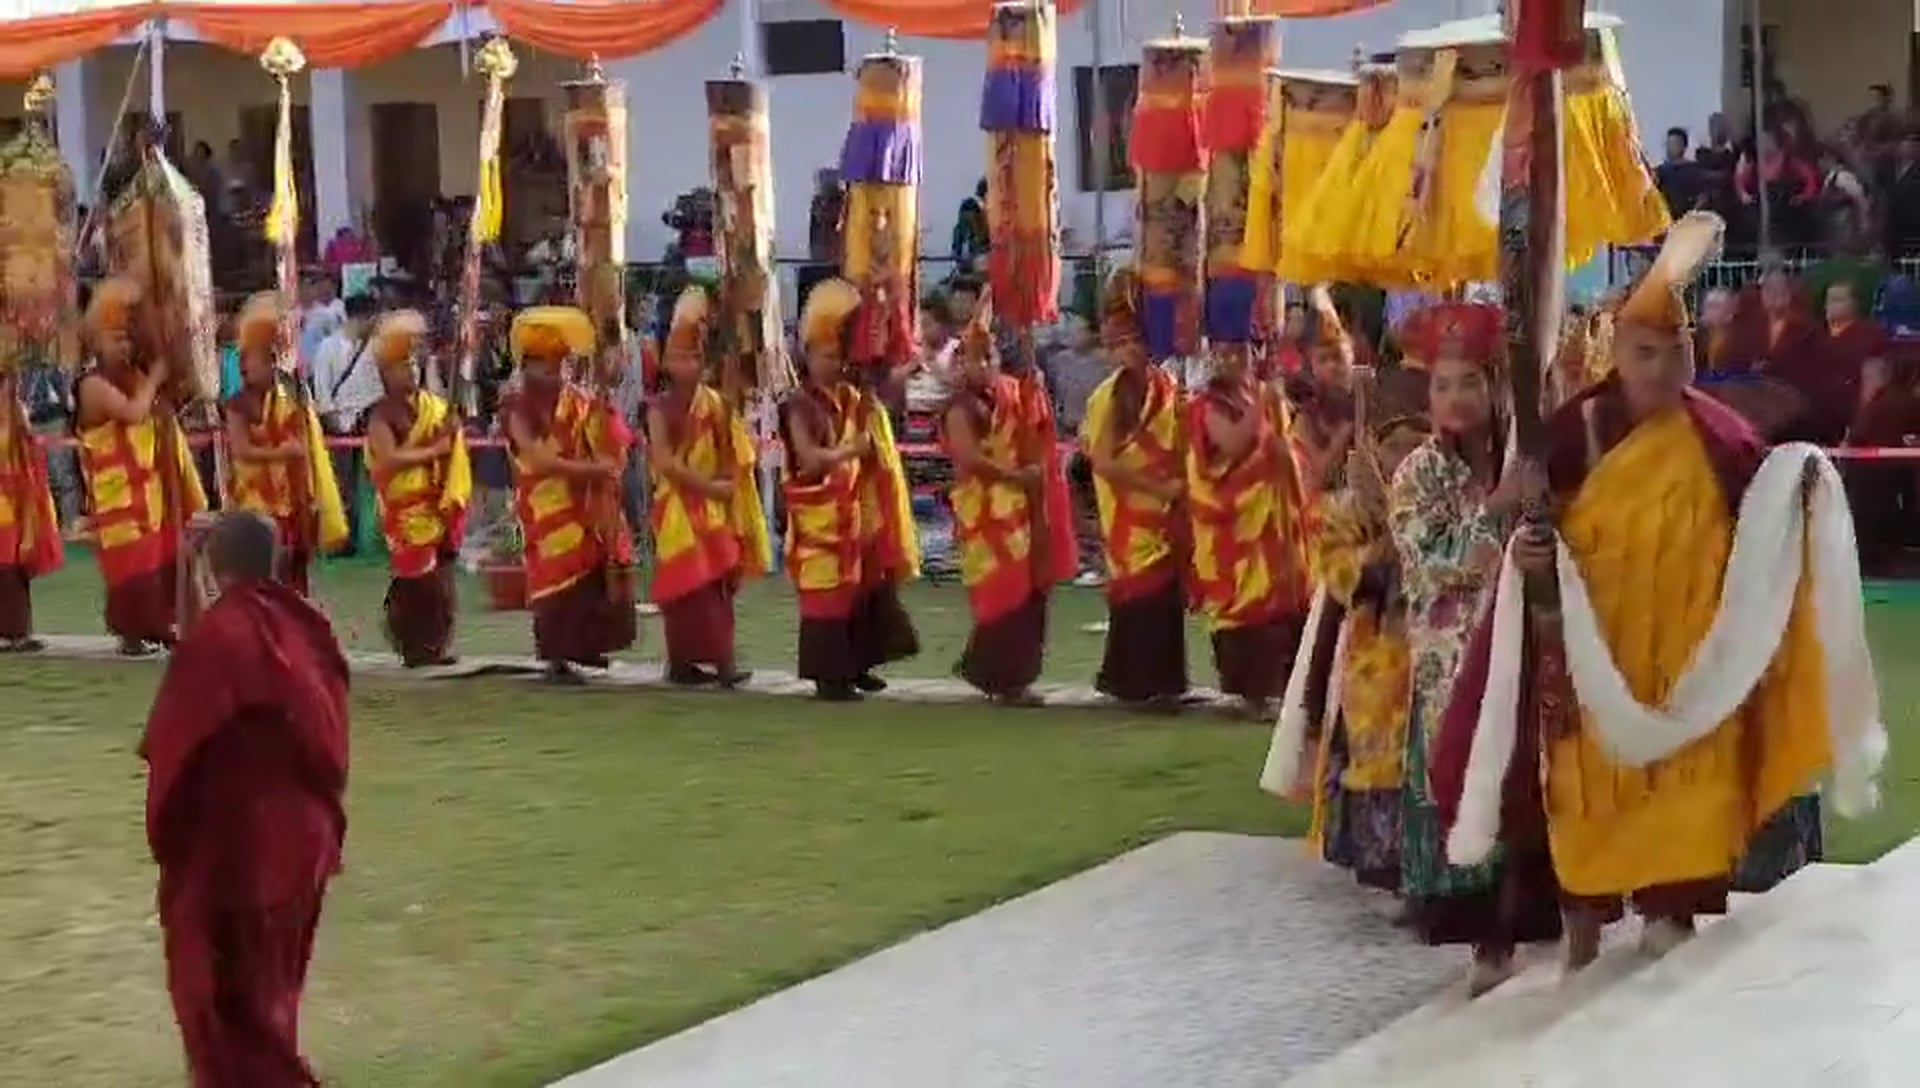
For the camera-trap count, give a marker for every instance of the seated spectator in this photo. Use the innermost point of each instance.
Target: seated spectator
(1714, 340)
(1829, 375)
(970, 235)
(347, 246)
(1778, 335)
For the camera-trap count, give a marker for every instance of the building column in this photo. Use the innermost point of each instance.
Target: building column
(332, 170)
(70, 125)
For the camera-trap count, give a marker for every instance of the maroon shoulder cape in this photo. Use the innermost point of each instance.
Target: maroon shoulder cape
(1734, 450)
(251, 717)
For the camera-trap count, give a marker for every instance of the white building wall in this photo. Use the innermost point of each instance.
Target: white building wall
(1669, 49)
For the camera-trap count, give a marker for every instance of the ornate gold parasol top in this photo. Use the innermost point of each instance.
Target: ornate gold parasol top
(282, 59)
(496, 60)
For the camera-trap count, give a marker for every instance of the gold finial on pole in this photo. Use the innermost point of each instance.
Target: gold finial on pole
(595, 73)
(738, 69)
(40, 95)
(282, 59)
(496, 60)
(1179, 25)
(1359, 58)
(891, 47)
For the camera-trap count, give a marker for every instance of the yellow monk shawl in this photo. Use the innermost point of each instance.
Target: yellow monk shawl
(424, 506)
(266, 487)
(1138, 527)
(1372, 683)
(1721, 665)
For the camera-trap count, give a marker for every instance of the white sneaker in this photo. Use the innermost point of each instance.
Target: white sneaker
(1090, 579)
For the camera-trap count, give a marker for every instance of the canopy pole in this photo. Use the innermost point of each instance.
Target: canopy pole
(1756, 86)
(157, 71)
(1101, 147)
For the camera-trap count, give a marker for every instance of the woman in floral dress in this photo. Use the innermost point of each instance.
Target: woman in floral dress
(1450, 521)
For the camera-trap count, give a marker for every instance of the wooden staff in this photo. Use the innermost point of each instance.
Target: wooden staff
(1531, 236)
(282, 60)
(496, 64)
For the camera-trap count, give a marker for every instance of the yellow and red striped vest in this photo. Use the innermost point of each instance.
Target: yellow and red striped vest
(1139, 529)
(270, 487)
(698, 539)
(886, 512)
(29, 524)
(1248, 563)
(134, 532)
(561, 544)
(993, 518)
(423, 508)
(823, 541)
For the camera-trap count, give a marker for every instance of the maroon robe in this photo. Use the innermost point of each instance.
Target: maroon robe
(1884, 494)
(1547, 702)
(246, 749)
(1824, 365)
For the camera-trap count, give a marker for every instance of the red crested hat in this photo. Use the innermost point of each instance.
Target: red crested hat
(1456, 330)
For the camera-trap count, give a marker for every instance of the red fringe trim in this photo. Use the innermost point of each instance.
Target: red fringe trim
(1166, 141)
(1025, 273)
(1234, 117)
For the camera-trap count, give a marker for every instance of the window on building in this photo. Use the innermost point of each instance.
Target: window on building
(1104, 129)
(803, 47)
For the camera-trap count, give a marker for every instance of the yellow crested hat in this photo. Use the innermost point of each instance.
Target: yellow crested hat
(1658, 301)
(395, 334)
(551, 334)
(688, 329)
(113, 302)
(829, 306)
(259, 321)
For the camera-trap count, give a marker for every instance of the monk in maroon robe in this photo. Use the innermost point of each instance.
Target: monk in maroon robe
(246, 750)
(1883, 493)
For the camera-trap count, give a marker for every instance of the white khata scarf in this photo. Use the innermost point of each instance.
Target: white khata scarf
(1281, 772)
(1775, 529)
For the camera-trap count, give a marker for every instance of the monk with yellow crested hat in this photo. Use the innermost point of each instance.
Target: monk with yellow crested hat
(140, 499)
(850, 536)
(1134, 436)
(423, 484)
(709, 533)
(1649, 477)
(569, 450)
(281, 469)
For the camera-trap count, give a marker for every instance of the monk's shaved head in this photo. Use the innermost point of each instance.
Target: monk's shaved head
(242, 547)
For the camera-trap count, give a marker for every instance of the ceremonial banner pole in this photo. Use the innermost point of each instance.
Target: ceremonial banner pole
(596, 131)
(1165, 149)
(1017, 114)
(880, 162)
(283, 60)
(496, 64)
(1544, 37)
(1242, 51)
(753, 358)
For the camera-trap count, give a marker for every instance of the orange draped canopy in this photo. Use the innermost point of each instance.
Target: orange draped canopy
(350, 33)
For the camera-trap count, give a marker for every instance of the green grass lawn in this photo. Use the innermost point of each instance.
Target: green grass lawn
(537, 879)
(69, 602)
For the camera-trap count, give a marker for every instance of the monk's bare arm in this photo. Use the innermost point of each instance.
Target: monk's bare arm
(246, 449)
(814, 457)
(1230, 437)
(543, 459)
(661, 458)
(102, 401)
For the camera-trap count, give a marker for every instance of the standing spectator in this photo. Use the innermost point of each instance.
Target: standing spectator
(1902, 217)
(971, 237)
(1680, 179)
(321, 315)
(205, 175)
(1791, 185)
(347, 246)
(1878, 130)
(823, 217)
(1072, 375)
(1845, 213)
(1718, 160)
(346, 385)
